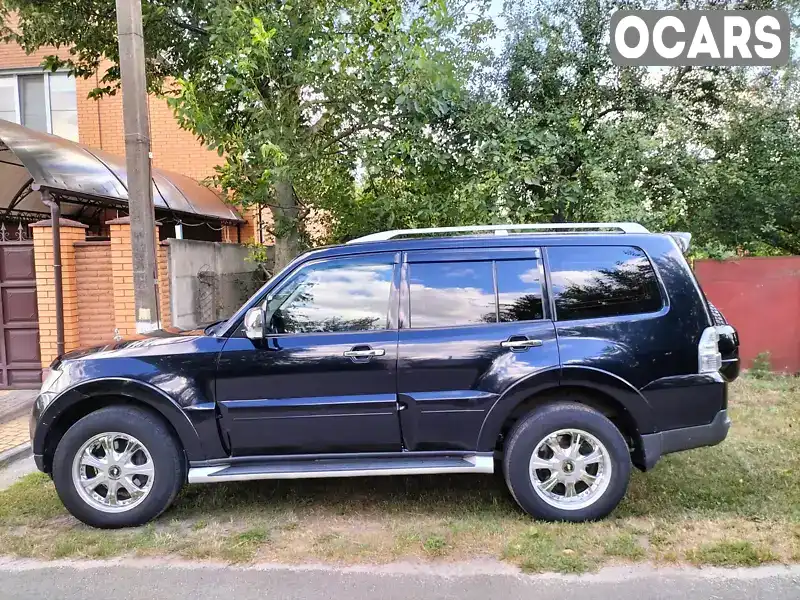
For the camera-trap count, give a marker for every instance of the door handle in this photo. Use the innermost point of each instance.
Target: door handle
(521, 343)
(365, 352)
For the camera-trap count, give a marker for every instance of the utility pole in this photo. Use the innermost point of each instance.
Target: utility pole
(137, 158)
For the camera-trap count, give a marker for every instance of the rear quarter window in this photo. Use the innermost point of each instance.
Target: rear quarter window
(590, 282)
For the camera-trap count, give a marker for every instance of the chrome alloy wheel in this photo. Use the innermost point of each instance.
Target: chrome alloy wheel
(570, 469)
(113, 472)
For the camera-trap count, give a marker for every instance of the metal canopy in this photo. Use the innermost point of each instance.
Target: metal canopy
(31, 160)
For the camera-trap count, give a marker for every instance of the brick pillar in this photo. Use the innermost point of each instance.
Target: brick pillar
(248, 234)
(162, 259)
(250, 227)
(71, 232)
(122, 277)
(229, 234)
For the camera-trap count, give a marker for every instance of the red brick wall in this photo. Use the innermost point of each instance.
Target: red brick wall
(759, 296)
(100, 121)
(95, 289)
(174, 149)
(162, 260)
(100, 126)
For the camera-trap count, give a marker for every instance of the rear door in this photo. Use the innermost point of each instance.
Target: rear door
(472, 322)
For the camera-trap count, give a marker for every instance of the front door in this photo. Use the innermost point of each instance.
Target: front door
(472, 324)
(324, 378)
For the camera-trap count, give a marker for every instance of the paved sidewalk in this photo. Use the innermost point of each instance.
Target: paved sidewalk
(15, 409)
(14, 433)
(15, 404)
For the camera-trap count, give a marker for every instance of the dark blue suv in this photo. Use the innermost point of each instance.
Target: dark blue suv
(558, 354)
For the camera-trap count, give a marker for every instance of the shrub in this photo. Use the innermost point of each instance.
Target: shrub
(762, 366)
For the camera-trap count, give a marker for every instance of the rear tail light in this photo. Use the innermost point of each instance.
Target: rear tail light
(709, 359)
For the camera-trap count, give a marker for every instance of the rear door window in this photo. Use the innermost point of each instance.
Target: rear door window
(470, 292)
(590, 282)
(519, 290)
(448, 294)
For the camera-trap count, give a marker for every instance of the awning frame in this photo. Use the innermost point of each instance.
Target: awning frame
(80, 175)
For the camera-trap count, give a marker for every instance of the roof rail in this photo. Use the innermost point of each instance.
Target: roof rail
(505, 230)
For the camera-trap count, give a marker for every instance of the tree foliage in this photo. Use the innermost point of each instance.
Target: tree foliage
(294, 94)
(557, 132)
(747, 190)
(291, 92)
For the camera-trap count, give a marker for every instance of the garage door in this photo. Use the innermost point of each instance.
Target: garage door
(20, 361)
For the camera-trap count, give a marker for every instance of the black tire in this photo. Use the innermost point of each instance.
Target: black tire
(530, 430)
(150, 430)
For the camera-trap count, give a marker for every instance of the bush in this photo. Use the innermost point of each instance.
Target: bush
(762, 366)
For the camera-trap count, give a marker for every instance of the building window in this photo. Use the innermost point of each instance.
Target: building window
(42, 101)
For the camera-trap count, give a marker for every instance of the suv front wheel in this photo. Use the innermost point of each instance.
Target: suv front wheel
(566, 462)
(118, 467)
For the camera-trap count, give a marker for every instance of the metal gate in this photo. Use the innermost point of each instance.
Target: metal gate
(20, 358)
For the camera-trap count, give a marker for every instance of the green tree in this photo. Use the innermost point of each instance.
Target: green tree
(291, 92)
(557, 132)
(295, 94)
(747, 194)
(553, 131)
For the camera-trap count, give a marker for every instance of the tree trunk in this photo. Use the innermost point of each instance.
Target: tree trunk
(287, 226)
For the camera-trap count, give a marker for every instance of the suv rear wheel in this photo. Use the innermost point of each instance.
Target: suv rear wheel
(566, 462)
(118, 467)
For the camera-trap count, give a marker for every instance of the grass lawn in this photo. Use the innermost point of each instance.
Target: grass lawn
(737, 504)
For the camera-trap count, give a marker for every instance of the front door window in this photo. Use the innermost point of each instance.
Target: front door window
(349, 294)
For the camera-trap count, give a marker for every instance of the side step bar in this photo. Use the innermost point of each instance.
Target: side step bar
(343, 467)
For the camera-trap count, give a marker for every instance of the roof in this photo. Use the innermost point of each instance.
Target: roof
(31, 160)
(503, 229)
(479, 242)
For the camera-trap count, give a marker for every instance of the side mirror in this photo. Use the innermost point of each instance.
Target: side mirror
(254, 323)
